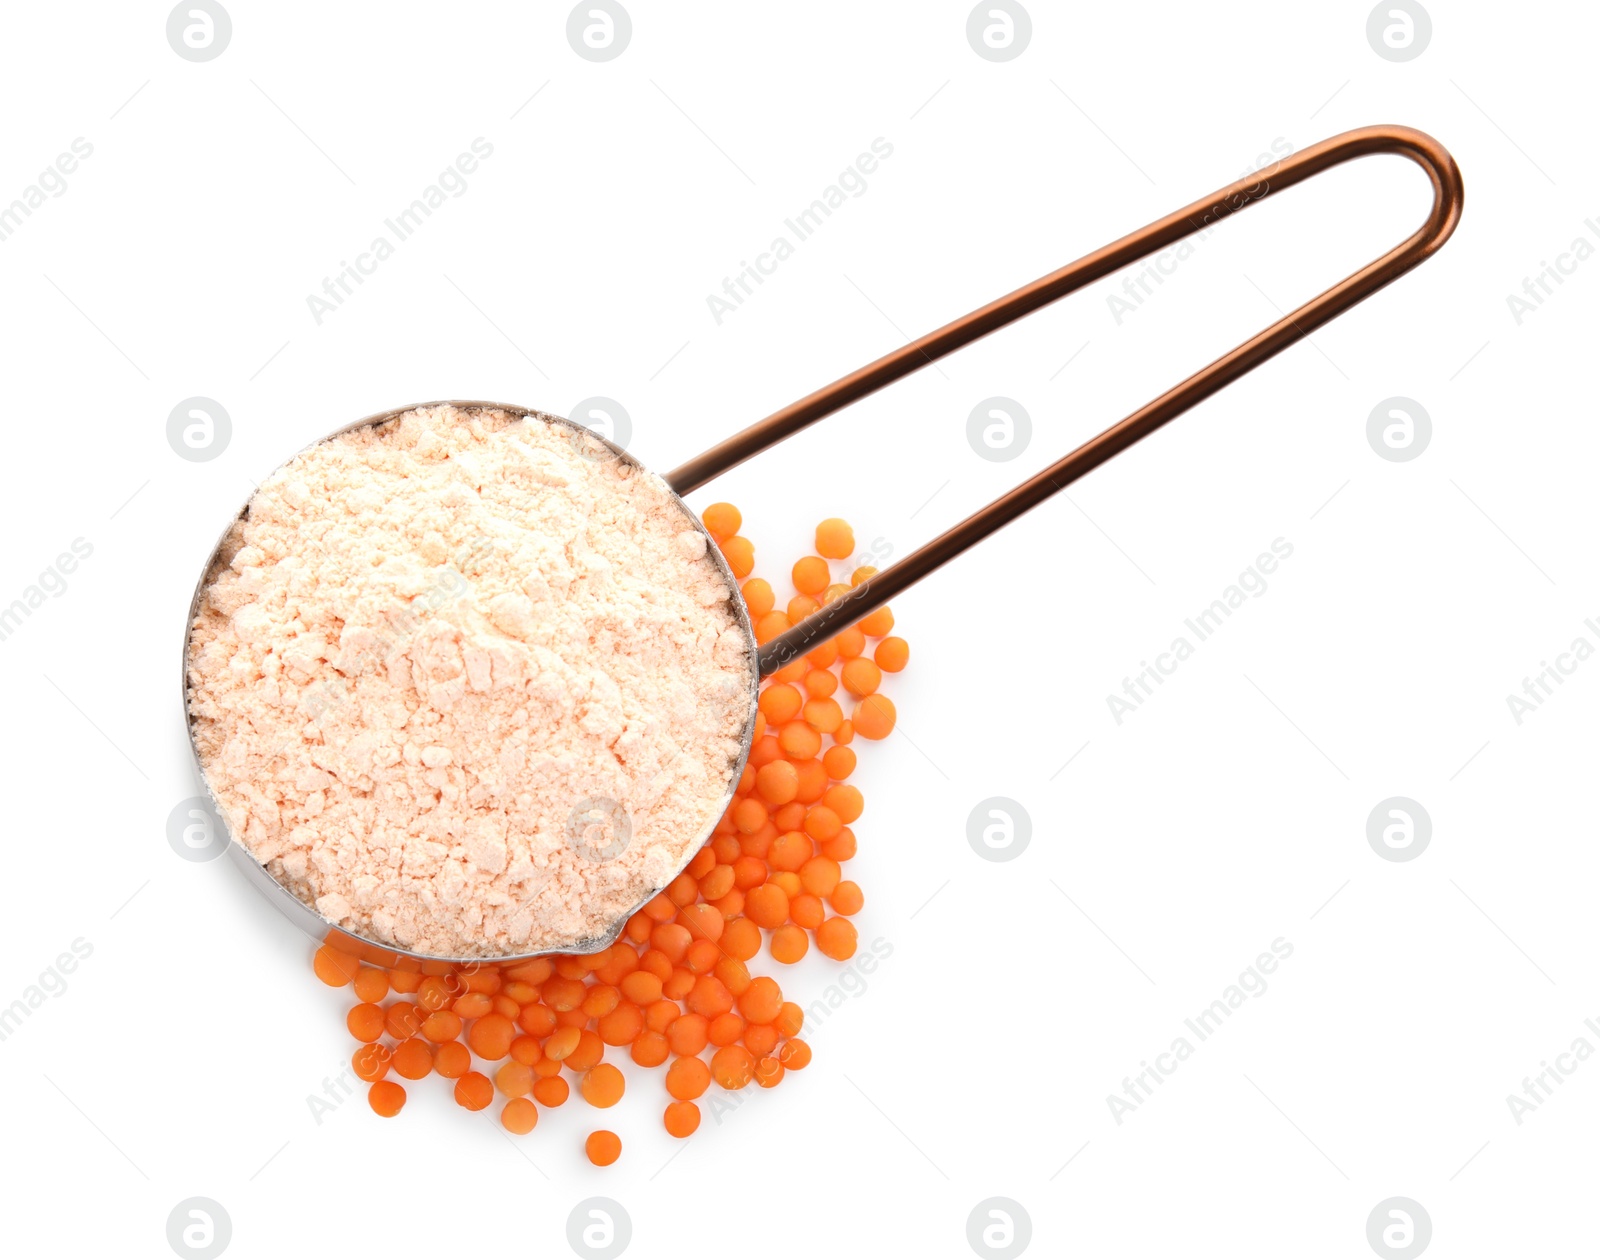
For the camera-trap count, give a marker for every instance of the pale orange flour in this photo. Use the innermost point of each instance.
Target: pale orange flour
(468, 684)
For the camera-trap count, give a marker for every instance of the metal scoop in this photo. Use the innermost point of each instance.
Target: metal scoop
(1443, 216)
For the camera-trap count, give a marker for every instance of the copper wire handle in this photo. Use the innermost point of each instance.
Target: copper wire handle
(1422, 149)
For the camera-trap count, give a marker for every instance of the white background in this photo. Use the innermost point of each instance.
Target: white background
(1223, 814)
